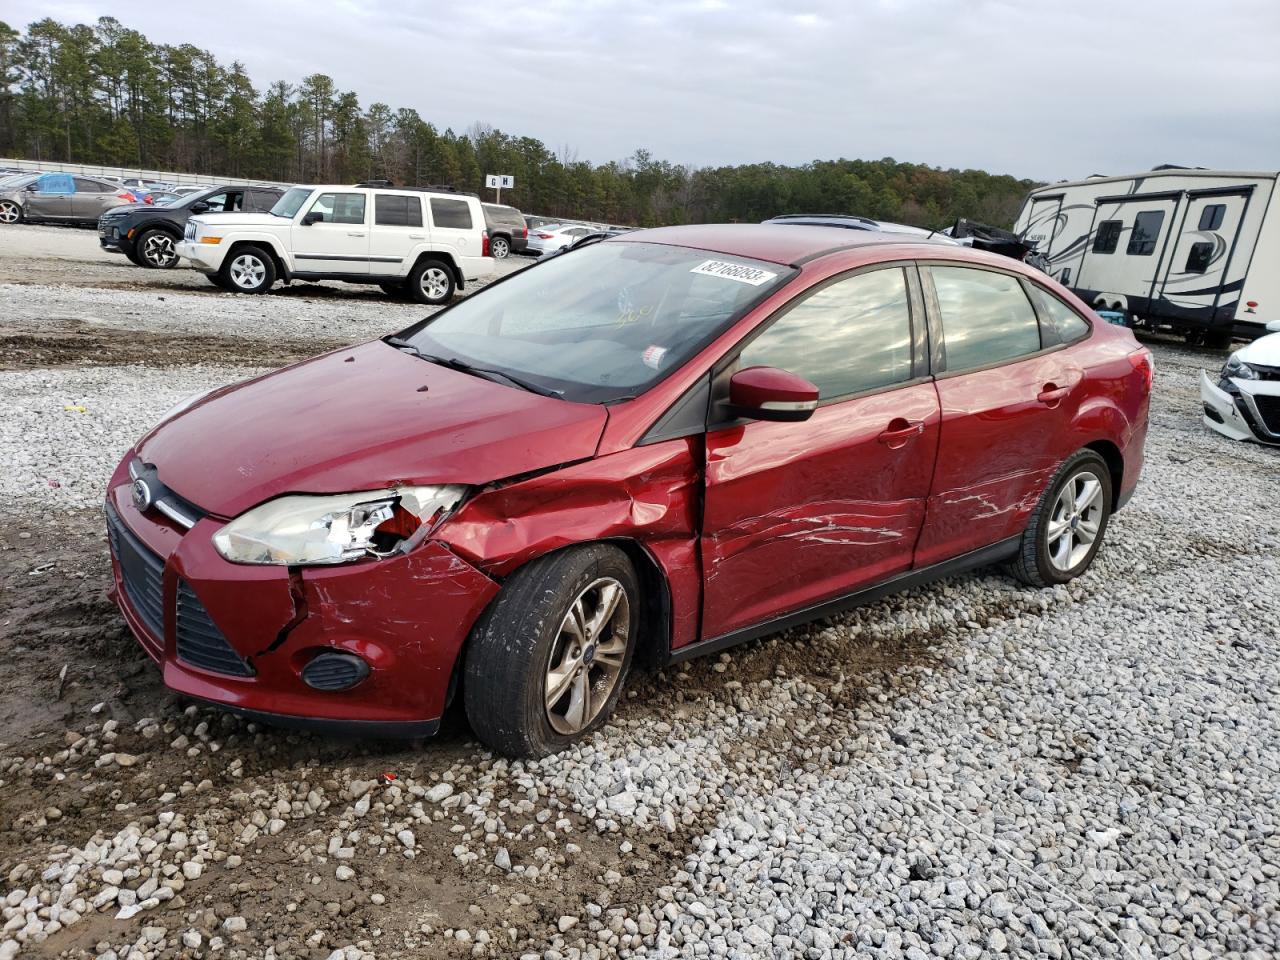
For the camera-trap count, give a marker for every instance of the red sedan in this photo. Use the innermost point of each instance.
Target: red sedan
(648, 449)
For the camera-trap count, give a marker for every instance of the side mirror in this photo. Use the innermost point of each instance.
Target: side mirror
(199, 207)
(315, 216)
(767, 393)
(1273, 326)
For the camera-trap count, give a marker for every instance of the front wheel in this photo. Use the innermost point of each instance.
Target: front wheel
(248, 270)
(157, 249)
(1068, 524)
(431, 282)
(546, 662)
(10, 212)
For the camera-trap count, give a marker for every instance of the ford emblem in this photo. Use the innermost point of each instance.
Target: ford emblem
(141, 495)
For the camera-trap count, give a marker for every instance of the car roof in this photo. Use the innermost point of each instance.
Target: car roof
(776, 242)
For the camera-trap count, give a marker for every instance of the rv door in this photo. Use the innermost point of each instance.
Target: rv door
(1126, 249)
(1043, 223)
(1207, 265)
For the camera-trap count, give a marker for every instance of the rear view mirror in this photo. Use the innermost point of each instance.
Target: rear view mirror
(314, 216)
(767, 393)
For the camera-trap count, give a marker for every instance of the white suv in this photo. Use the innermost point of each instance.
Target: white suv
(420, 242)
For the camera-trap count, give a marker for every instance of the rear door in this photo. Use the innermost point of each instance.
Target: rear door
(397, 231)
(1006, 397)
(797, 513)
(92, 198)
(338, 242)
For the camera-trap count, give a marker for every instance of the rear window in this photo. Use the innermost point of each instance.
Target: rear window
(504, 214)
(396, 210)
(986, 317)
(1070, 326)
(454, 214)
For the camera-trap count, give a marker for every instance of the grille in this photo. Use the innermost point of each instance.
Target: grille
(142, 574)
(1269, 408)
(190, 232)
(1266, 373)
(200, 642)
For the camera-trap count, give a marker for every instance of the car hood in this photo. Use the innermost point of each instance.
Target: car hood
(240, 220)
(1264, 351)
(361, 418)
(124, 208)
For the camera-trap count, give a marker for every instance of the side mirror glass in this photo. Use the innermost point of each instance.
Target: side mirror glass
(767, 393)
(315, 216)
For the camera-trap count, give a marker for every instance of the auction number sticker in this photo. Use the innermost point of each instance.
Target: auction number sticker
(734, 271)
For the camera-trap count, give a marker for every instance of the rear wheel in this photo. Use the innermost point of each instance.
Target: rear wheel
(431, 282)
(1068, 524)
(499, 248)
(10, 212)
(546, 663)
(248, 270)
(157, 249)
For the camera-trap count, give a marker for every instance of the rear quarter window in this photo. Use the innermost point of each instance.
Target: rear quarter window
(1068, 324)
(451, 214)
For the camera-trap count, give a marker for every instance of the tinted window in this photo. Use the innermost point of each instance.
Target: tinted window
(259, 200)
(1069, 324)
(1199, 257)
(986, 318)
(84, 185)
(1107, 237)
(391, 210)
(455, 214)
(503, 214)
(1146, 229)
(340, 207)
(851, 336)
(1211, 217)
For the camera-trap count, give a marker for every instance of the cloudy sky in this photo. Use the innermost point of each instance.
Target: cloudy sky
(1038, 90)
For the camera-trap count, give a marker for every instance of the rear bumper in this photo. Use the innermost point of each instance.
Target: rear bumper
(406, 617)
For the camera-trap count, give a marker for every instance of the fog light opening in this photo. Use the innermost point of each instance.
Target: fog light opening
(334, 671)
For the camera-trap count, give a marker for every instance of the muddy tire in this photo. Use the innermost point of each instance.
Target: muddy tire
(547, 661)
(1068, 524)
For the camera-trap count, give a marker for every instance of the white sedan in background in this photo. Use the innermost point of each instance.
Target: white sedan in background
(1243, 401)
(555, 236)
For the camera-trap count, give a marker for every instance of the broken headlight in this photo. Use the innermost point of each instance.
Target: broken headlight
(1237, 368)
(305, 529)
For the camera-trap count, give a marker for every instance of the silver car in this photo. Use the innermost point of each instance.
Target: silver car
(553, 238)
(60, 197)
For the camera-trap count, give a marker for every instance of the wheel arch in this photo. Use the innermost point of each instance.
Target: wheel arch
(1114, 459)
(282, 270)
(445, 257)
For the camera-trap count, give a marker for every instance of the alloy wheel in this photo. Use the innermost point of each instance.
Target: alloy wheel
(247, 272)
(158, 250)
(435, 283)
(1077, 516)
(587, 656)
(499, 249)
(9, 212)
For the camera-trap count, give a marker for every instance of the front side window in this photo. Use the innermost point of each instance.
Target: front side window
(602, 323)
(345, 208)
(986, 317)
(849, 337)
(1108, 235)
(451, 214)
(292, 201)
(1070, 326)
(1146, 230)
(1211, 217)
(1199, 257)
(396, 210)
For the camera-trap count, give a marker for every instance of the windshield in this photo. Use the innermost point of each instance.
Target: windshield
(602, 323)
(288, 205)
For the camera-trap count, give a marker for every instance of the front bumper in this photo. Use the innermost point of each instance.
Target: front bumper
(206, 257)
(1252, 413)
(406, 617)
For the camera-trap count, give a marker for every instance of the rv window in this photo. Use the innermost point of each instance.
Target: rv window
(1200, 256)
(1107, 237)
(1146, 230)
(1211, 216)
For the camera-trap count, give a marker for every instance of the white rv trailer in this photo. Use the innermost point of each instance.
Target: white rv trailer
(1196, 251)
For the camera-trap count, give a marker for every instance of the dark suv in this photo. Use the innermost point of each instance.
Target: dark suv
(507, 231)
(147, 234)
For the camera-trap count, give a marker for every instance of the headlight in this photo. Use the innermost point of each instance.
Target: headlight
(1237, 368)
(336, 529)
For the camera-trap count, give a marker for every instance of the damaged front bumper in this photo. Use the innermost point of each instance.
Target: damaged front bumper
(242, 636)
(1249, 410)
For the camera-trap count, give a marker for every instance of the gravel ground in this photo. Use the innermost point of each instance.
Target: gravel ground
(972, 769)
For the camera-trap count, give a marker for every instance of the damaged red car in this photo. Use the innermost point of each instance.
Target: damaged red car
(651, 448)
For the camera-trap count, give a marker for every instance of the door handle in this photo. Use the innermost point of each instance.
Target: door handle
(355, 234)
(1051, 394)
(900, 432)
(417, 236)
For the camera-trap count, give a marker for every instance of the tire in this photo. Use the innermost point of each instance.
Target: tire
(10, 213)
(247, 270)
(156, 250)
(1052, 553)
(431, 282)
(527, 639)
(500, 248)
(1217, 339)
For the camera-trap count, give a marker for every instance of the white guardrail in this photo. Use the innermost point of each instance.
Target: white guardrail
(159, 176)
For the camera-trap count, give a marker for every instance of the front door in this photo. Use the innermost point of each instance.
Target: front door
(797, 513)
(338, 239)
(51, 197)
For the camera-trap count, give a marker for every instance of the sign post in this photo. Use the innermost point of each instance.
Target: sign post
(498, 182)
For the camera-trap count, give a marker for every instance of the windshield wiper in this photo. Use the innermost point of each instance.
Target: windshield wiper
(484, 373)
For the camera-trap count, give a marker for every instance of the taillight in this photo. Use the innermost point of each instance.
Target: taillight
(484, 243)
(544, 236)
(526, 233)
(149, 199)
(1144, 364)
(127, 197)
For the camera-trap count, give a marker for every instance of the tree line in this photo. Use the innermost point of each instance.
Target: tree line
(105, 94)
